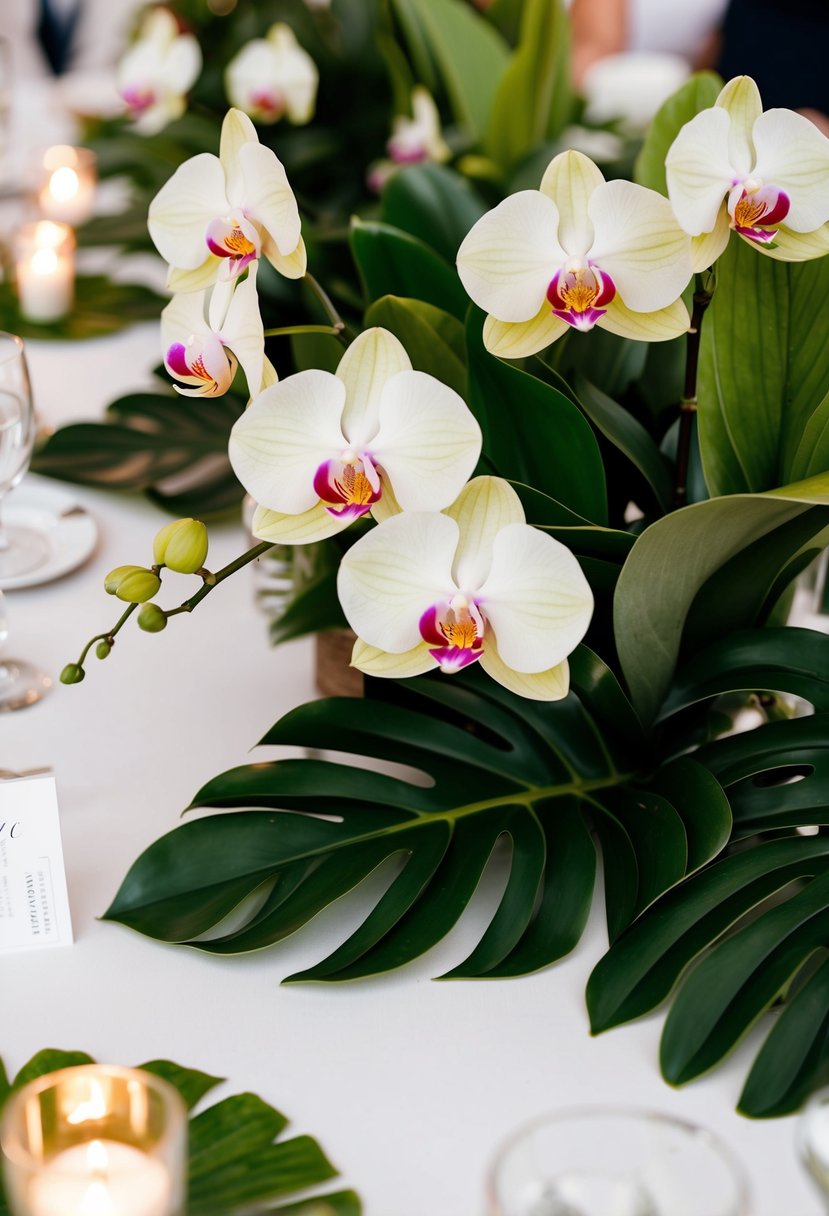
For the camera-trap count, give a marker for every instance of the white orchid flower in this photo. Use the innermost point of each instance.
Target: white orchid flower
(762, 175)
(207, 334)
(318, 450)
(578, 252)
(418, 138)
(157, 72)
(473, 584)
(273, 77)
(218, 214)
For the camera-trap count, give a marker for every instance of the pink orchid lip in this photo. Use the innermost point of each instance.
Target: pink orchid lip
(580, 296)
(755, 214)
(348, 487)
(235, 239)
(194, 369)
(138, 99)
(176, 360)
(455, 635)
(267, 103)
(402, 156)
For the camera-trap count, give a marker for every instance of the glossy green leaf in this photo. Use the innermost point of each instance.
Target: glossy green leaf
(433, 339)
(764, 370)
(506, 16)
(655, 592)
(190, 1082)
(534, 100)
(811, 456)
(433, 203)
(698, 93)
(392, 263)
(544, 441)
(314, 609)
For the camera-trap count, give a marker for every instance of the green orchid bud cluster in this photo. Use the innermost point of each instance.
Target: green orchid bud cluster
(180, 546)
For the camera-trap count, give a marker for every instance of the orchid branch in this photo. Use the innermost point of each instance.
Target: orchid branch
(703, 295)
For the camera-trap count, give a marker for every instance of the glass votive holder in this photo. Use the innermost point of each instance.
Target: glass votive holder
(97, 1140)
(607, 1162)
(45, 270)
(66, 184)
(813, 1141)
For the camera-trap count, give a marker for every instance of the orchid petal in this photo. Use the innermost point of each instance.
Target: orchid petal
(371, 359)
(303, 529)
(180, 212)
(386, 505)
(706, 248)
(183, 318)
(269, 374)
(569, 181)
(390, 577)
(237, 130)
(639, 244)
(518, 339)
(373, 662)
(698, 170)
(741, 100)
(550, 685)
(202, 277)
(428, 442)
(484, 506)
(295, 71)
(283, 437)
(794, 155)
(796, 246)
(243, 332)
(507, 259)
(535, 597)
(182, 63)
(658, 326)
(293, 265)
(269, 198)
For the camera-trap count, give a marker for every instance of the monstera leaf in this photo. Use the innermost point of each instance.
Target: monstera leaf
(236, 1159)
(504, 782)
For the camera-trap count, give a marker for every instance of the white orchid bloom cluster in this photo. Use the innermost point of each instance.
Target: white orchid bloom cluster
(273, 78)
(157, 72)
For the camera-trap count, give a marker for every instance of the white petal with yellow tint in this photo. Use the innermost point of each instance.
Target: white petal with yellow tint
(639, 244)
(569, 180)
(269, 199)
(519, 339)
(386, 505)
(484, 506)
(706, 248)
(182, 209)
(741, 100)
(283, 437)
(550, 685)
(292, 265)
(371, 359)
(243, 332)
(536, 598)
(698, 170)
(183, 318)
(373, 662)
(182, 64)
(794, 155)
(796, 246)
(194, 280)
(237, 130)
(390, 577)
(295, 73)
(507, 259)
(304, 529)
(428, 442)
(659, 326)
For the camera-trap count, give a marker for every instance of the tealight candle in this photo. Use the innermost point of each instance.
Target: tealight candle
(95, 1141)
(45, 266)
(67, 184)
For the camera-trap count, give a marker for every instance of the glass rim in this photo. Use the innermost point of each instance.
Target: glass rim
(630, 1114)
(6, 334)
(10, 1144)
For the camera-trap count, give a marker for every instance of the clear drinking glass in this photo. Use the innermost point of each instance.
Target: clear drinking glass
(21, 684)
(21, 549)
(813, 1141)
(615, 1163)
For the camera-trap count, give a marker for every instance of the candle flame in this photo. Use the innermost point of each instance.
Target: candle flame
(47, 233)
(97, 1158)
(44, 262)
(64, 184)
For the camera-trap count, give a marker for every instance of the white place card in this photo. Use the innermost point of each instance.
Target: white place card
(34, 905)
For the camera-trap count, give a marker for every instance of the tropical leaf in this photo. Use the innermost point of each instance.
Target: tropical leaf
(434, 204)
(433, 339)
(393, 263)
(529, 777)
(698, 93)
(236, 1159)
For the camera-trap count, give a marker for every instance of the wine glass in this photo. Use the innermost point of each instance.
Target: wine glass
(594, 1162)
(21, 684)
(813, 1141)
(21, 549)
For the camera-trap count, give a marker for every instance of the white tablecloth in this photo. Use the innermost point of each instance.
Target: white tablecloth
(409, 1085)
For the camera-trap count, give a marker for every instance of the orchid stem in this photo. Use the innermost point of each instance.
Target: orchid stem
(213, 580)
(688, 404)
(338, 324)
(107, 637)
(303, 329)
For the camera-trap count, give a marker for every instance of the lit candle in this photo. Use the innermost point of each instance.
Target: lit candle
(45, 270)
(101, 1178)
(67, 184)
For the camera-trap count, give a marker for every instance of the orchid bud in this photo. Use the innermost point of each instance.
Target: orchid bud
(72, 673)
(132, 584)
(152, 619)
(103, 649)
(181, 546)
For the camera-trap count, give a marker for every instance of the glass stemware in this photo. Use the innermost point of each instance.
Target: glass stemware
(21, 549)
(813, 1141)
(615, 1163)
(21, 683)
